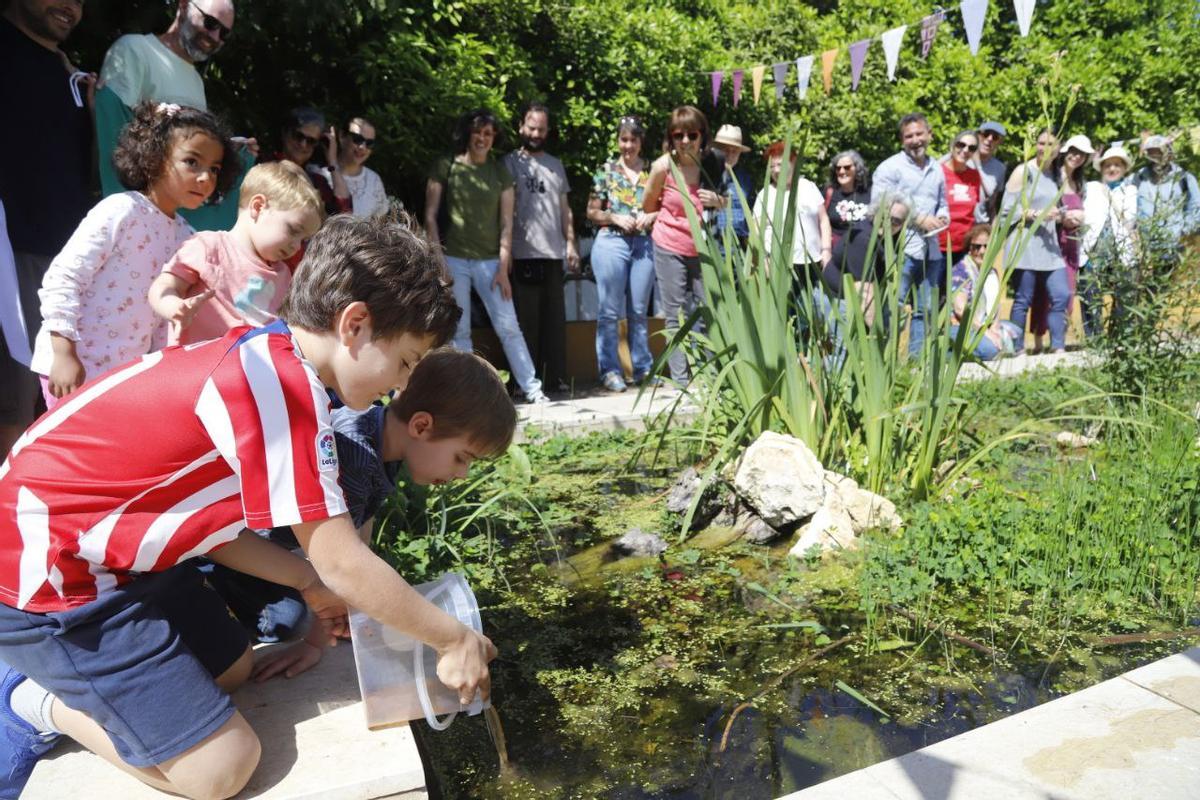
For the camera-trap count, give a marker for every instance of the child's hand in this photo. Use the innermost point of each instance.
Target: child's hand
(185, 310)
(329, 609)
(66, 374)
(463, 667)
(291, 661)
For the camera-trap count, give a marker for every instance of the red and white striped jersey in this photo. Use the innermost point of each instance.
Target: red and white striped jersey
(166, 458)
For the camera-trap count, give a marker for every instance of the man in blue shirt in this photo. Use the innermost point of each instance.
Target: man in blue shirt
(1168, 205)
(732, 213)
(911, 173)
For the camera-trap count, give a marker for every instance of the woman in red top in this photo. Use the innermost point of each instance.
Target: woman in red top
(963, 185)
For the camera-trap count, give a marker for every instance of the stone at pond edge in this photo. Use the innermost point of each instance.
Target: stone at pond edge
(636, 542)
(865, 508)
(1069, 440)
(755, 530)
(828, 529)
(781, 479)
(683, 490)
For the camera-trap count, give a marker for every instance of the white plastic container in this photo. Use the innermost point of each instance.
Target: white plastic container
(397, 674)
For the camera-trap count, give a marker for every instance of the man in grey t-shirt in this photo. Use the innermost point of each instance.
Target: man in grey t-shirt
(543, 235)
(992, 170)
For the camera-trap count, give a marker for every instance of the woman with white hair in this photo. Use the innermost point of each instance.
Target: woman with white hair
(1168, 202)
(1108, 248)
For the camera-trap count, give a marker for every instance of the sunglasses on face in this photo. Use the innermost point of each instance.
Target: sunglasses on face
(970, 148)
(308, 141)
(845, 167)
(360, 140)
(685, 136)
(978, 247)
(898, 221)
(990, 135)
(211, 23)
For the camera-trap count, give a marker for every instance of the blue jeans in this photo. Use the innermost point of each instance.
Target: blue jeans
(624, 270)
(478, 274)
(1055, 283)
(985, 350)
(920, 276)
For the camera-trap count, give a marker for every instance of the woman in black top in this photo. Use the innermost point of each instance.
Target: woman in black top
(848, 193)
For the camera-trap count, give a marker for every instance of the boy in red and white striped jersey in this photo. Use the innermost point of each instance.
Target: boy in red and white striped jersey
(111, 636)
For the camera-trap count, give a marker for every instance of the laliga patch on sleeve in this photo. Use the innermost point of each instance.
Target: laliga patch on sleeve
(327, 460)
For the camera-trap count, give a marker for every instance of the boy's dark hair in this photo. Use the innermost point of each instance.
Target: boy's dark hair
(144, 146)
(472, 121)
(464, 395)
(386, 264)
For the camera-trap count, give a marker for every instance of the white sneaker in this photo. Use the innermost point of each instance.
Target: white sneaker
(536, 398)
(612, 382)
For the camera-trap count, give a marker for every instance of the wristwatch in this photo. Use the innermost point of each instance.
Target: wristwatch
(332, 168)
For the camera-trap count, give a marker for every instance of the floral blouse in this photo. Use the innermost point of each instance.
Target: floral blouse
(611, 185)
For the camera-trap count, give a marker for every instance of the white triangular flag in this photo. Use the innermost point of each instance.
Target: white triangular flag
(1024, 10)
(803, 73)
(891, 48)
(973, 14)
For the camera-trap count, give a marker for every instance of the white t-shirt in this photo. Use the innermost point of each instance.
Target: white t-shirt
(139, 67)
(806, 241)
(366, 191)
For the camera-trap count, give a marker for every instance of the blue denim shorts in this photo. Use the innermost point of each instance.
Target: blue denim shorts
(140, 661)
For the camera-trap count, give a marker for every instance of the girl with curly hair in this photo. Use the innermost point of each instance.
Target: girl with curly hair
(94, 308)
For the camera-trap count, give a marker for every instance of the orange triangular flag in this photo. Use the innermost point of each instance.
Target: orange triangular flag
(756, 76)
(827, 59)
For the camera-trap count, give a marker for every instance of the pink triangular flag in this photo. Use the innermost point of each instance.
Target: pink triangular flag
(929, 27)
(891, 48)
(973, 14)
(1024, 9)
(858, 56)
(717, 77)
(804, 66)
(737, 86)
(780, 73)
(756, 79)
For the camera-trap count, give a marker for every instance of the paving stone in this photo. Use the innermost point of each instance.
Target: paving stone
(1176, 678)
(315, 746)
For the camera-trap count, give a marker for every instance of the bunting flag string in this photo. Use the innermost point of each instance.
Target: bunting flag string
(1024, 9)
(779, 72)
(929, 28)
(827, 59)
(973, 13)
(891, 49)
(804, 66)
(756, 79)
(858, 57)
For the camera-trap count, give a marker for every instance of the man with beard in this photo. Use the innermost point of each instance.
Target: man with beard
(161, 68)
(47, 137)
(543, 234)
(913, 174)
(992, 170)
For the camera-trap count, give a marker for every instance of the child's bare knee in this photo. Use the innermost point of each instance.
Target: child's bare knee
(217, 767)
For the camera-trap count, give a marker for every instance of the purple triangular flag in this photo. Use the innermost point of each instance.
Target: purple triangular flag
(780, 72)
(737, 86)
(858, 56)
(717, 77)
(973, 14)
(929, 27)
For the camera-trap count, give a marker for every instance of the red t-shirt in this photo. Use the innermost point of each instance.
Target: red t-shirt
(163, 459)
(962, 196)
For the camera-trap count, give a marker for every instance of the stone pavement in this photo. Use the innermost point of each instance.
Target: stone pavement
(316, 746)
(1135, 737)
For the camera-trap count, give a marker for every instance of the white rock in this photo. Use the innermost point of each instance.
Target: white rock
(829, 530)
(781, 479)
(1069, 440)
(870, 510)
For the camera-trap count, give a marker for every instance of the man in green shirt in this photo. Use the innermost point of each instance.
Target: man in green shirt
(161, 68)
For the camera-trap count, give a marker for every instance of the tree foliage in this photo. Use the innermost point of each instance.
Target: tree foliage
(413, 65)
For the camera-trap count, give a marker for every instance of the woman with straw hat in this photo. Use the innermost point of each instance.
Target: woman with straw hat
(1109, 242)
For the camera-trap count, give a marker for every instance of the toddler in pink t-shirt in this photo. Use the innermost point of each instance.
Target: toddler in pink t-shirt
(218, 280)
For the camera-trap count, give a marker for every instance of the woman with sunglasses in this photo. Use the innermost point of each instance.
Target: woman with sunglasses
(963, 187)
(367, 195)
(676, 259)
(622, 256)
(1032, 249)
(973, 277)
(1068, 174)
(848, 193)
(302, 132)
